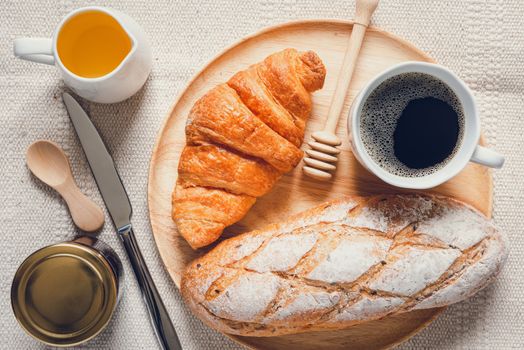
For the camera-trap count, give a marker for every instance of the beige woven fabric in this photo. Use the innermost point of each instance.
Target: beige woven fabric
(481, 40)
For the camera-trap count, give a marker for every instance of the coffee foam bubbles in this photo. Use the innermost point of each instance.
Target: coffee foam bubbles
(383, 108)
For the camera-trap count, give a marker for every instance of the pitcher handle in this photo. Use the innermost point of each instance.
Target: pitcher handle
(39, 50)
(487, 157)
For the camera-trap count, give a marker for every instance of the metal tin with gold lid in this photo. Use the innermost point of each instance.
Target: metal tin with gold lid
(66, 293)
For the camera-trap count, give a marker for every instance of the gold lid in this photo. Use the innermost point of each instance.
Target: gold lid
(64, 294)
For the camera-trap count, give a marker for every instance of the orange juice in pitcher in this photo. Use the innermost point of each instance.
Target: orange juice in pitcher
(103, 54)
(92, 44)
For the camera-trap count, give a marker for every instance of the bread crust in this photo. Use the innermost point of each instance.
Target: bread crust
(345, 262)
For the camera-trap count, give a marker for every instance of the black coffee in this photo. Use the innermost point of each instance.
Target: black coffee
(412, 124)
(426, 133)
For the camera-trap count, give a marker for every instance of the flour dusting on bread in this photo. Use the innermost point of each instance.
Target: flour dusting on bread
(345, 262)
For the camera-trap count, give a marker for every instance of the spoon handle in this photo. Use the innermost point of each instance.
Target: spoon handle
(86, 215)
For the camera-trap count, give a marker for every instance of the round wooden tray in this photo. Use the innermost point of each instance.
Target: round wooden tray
(295, 192)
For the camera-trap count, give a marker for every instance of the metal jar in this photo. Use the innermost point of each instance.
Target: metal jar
(65, 294)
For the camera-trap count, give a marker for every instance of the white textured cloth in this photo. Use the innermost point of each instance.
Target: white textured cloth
(481, 40)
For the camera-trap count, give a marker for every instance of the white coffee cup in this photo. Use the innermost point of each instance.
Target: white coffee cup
(119, 84)
(468, 149)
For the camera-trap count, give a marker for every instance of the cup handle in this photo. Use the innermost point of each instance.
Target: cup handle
(487, 157)
(39, 50)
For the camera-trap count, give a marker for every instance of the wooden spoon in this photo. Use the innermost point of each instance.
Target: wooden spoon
(48, 162)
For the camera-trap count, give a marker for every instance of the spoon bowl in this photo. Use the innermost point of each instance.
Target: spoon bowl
(47, 161)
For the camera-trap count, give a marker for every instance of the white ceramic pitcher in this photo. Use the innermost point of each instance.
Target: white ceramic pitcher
(122, 82)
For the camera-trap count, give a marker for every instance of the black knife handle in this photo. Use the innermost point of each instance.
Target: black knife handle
(164, 328)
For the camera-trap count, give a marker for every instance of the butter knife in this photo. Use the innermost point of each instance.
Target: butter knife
(119, 207)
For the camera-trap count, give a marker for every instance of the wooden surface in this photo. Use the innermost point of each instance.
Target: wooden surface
(295, 192)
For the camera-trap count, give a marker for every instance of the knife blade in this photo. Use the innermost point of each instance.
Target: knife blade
(119, 207)
(101, 163)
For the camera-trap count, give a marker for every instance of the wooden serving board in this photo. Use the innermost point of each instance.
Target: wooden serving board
(295, 192)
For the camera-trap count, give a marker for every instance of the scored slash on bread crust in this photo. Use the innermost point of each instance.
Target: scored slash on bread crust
(343, 263)
(241, 137)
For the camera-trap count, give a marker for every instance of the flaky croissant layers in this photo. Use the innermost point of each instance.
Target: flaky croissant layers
(240, 138)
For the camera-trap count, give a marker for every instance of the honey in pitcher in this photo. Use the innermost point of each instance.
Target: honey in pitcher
(92, 44)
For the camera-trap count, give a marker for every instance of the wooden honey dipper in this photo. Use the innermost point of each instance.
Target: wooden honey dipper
(322, 156)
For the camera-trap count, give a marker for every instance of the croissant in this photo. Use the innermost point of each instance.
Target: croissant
(241, 137)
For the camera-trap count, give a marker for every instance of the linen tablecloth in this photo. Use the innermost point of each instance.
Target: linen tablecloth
(481, 40)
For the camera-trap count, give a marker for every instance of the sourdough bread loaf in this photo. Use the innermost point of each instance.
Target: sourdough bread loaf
(343, 263)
